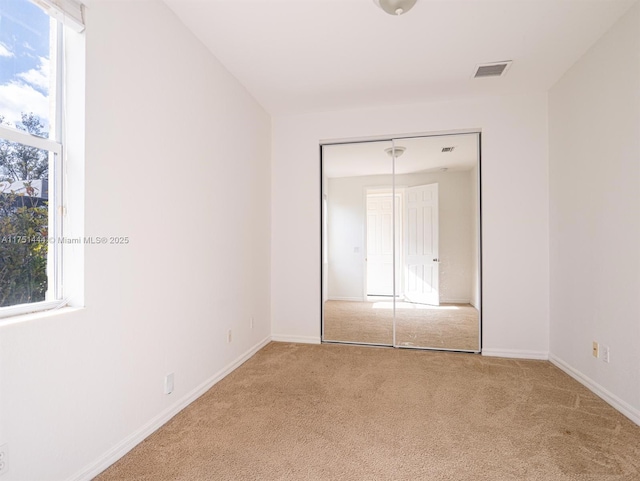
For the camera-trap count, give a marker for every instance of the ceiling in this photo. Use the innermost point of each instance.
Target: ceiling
(422, 154)
(300, 56)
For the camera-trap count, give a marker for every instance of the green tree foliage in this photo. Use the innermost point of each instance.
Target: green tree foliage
(23, 218)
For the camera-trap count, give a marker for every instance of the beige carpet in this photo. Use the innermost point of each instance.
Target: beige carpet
(337, 412)
(449, 326)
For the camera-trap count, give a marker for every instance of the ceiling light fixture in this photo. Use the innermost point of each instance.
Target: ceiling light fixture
(395, 151)
(395, 7)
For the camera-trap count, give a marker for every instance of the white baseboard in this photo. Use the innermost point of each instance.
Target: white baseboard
(357, 299)
(455, 301)
(296, 339)
(516, 354)
(622, 406)
(135, 438)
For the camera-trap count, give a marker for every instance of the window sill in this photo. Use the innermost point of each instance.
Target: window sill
(41, 311)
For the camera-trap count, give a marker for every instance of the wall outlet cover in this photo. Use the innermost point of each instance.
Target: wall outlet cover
(169, 383)
(4, 458)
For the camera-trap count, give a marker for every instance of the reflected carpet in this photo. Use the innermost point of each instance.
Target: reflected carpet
(448, 326)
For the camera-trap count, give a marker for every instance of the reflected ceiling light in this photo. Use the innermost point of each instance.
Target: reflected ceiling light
(398, 151)
(395, 7)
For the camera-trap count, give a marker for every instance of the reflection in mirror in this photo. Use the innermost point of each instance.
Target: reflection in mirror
(437, 290)
(357, 189)
(401, 253)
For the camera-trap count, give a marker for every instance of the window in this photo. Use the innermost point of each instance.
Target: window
(31, 153)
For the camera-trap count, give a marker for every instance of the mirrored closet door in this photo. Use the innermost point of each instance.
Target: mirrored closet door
(358, 243)
(401, 242)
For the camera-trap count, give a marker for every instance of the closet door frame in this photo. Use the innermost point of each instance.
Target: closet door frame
(478, 217)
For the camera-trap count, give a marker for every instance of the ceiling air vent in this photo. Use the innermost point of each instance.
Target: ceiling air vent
(496, 69)
(448, 149)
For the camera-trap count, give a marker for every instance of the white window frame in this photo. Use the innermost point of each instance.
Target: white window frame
(53, 144)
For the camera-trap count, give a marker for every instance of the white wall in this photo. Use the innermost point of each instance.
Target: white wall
(514, 201)
(346, 270)
(594, 134)
(177, 154)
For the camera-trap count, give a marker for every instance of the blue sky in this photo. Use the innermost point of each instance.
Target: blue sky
(24, 60)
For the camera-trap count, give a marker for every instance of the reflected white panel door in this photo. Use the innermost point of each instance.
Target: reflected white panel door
(380, 244)
(421, 245)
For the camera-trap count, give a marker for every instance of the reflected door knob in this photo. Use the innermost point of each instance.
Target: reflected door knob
(436, 260)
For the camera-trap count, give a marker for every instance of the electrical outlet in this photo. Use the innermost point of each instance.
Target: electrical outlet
(595, 350)
(604, 353)
(168, 383)
(229, 336)
(251, 323)
(4, 461)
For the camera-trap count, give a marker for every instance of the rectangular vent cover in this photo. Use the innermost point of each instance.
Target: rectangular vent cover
(496, 69)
